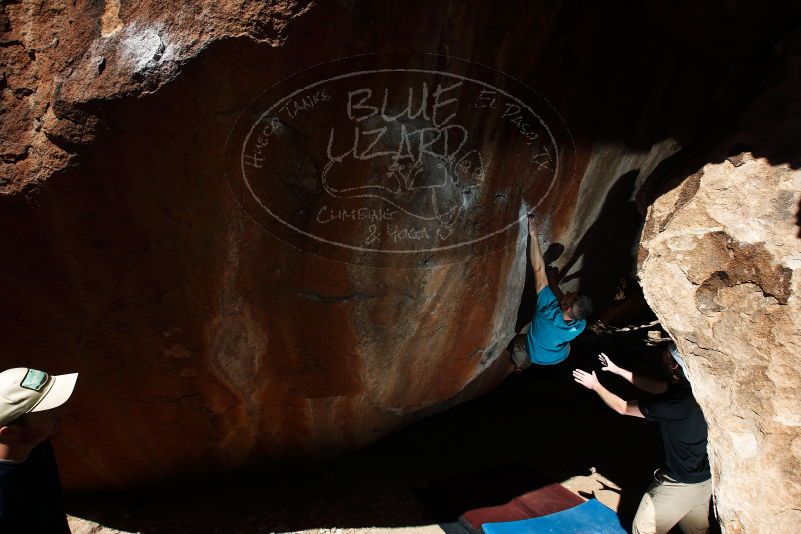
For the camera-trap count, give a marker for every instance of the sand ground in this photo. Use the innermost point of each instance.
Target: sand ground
(541, 420)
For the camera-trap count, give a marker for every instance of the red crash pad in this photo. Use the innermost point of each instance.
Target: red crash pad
(540, 502)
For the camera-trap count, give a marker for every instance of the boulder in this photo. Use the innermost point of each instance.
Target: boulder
(720, 264)
(135, 250)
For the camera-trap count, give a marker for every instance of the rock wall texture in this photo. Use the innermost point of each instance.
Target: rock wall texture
(720, 264)
(206, 343)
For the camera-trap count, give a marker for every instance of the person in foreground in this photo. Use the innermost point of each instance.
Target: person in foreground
(680, 492)
(30, 488)
(555, 323)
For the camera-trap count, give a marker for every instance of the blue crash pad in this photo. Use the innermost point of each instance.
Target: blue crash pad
(589, 517)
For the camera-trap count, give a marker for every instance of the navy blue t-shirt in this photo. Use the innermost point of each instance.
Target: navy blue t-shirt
(684, 432)
(30, 495)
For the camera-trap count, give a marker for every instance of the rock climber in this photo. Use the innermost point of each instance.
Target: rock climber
(681, 491)
(556, 322)
(30, 487)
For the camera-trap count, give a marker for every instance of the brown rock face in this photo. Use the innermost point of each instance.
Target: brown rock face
(721, 266)
(140, 243)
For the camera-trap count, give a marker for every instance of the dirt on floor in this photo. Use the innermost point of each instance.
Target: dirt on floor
(540, 419)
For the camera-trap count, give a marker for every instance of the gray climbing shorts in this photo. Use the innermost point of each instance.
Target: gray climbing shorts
(519, 349)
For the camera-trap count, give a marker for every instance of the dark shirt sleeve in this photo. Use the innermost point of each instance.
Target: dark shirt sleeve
(9, 520)
(30, 495)
(661, 408)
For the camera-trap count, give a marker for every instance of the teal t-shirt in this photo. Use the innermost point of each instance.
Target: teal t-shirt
(549, 335)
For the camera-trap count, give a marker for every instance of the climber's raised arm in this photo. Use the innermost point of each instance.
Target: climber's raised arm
(535, 254)
(649, 385)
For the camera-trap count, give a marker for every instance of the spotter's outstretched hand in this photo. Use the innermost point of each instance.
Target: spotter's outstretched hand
(588, 380)
(608, 365)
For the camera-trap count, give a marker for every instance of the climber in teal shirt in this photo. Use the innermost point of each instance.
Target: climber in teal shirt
(555, 322)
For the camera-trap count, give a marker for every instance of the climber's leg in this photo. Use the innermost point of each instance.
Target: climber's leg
(518, 350)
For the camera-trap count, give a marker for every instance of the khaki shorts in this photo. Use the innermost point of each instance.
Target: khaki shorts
(667, 503)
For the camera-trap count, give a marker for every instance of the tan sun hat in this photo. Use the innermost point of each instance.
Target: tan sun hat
(24, 390)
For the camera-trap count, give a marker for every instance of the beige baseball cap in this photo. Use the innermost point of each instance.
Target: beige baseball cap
(24, 390)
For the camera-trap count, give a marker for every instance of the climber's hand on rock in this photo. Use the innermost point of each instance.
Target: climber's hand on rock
(532, 226)
(588, 380)
(608, 365)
